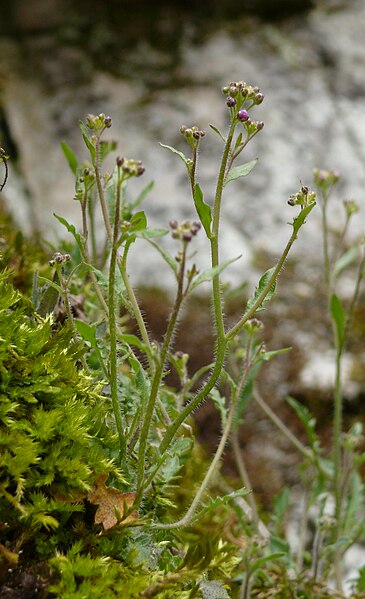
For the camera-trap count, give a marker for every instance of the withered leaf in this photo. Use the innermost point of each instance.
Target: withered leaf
(113, 504)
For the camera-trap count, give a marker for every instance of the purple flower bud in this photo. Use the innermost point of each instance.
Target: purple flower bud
(173, 224)
(259, 98)
(243, 115)
(187, 236)
(260, 125)
(231, 102)
(119, 161)
(108, 122)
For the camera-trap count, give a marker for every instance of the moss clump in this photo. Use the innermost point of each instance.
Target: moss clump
(53, 431)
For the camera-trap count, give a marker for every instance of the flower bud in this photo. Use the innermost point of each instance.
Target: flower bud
(259, 98)
(108, 122)
(243, 115)
(173, 224)
(231, 102)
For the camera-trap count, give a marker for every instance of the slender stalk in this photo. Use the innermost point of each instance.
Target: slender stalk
(281, 426)
(204, 485)
(113, 375)
(237, 452)
(327, 271)
(251, 312)
(157, 378)
(214, 241)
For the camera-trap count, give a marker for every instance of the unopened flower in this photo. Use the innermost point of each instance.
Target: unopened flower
(243, 115)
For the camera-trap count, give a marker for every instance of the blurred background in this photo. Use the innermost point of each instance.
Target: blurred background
(153, 66)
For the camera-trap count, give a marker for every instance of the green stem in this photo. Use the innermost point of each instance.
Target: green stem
(204, 485)
(251, 312)
(157, 378)
(113, 375)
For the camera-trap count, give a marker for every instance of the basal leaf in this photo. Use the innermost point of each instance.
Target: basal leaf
(204, 211)
(210, 273)
(70, 157)
(240, 171)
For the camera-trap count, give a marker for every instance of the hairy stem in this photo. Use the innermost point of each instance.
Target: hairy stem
(113, 378)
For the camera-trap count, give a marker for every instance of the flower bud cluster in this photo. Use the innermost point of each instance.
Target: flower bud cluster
(184, 231)
(59, 258)
(193, 135)
(325, 179)
(238, 93)
(254, 326)
(133, 168)
(98, 123)
(304, 197)
(351, 207)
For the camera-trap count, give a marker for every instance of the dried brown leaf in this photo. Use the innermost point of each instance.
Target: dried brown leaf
(113, 504)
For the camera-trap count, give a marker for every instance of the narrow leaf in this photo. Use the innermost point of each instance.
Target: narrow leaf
(338, 317)
(345, 260)
(145, 191)
(70, 157)
(71, 229)
(210, 273)
(85, 135)
(240, 171)
(204, 211)
(176, 152)
(165, 254)
(218, 132)
(300, 219)
(151, 233)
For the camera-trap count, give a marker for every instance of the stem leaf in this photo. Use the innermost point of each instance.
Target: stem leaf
(85, 136)
(210, 273)
(300, 219)
(338, 318)
(176, 152)
(261, 286)
(218, 132)
(345, 260)
(240, 171)
(70, 157)
(71, 229)
(204, 210)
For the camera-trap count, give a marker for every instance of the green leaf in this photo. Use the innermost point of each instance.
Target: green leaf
(308, 421)
(70, 157)
(220, 403)
(86, 331)
(268, 355)
(71, 229)
(345, 260)
(151, 233)
(266, 558)
(176, 152)
(204, 211)
(210, 273)
(85, 135)
(106, 147)
(260, 288)
(145, 191)
(338, 317)
(165, 254)
(300, 219)
(218, 132)
(138, 221)
(215, 502)
(240, 171)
